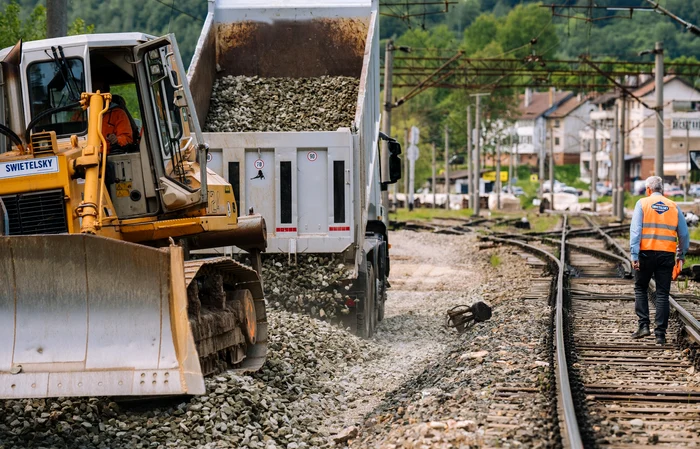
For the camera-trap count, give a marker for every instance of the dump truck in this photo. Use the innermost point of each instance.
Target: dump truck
(101, 293)
(319, 190)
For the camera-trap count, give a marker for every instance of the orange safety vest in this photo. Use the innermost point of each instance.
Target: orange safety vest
(659, 225)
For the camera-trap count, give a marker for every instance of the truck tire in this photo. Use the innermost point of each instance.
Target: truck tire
(366, 314)
(381, 299)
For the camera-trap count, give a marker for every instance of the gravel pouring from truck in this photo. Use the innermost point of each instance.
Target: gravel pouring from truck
(318, 189)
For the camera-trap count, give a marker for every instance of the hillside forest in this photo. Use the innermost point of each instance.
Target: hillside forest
(479, 28)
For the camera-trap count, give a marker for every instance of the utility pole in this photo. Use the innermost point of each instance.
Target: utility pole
(477, 153)
(447, 167)
(594, 169)
(687, 151)
(659, 162)
(56, 18)
(470, 156)
(434, 178)
(510, 164)
(551, 164)
(613, 156)
(386, 123)
(621, 162)
(498, 173)
(541, 161)
(405, 170)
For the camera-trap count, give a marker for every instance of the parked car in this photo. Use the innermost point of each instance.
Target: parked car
(602, 189)
(572, 190)
(517, 191)
(673, 192)
(694, 190)
(557, 186)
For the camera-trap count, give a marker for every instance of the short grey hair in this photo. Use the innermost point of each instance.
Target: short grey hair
(655, 184)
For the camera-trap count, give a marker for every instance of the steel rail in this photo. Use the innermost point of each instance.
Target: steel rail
(571, 433)
(580, 248)
(692, 325)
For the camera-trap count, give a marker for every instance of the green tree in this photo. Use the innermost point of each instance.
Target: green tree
(528, 28)
(14, 27)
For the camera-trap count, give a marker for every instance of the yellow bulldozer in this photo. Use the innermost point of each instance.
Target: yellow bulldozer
(105, 199)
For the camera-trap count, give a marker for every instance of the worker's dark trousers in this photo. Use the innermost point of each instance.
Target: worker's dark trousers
(660, 265)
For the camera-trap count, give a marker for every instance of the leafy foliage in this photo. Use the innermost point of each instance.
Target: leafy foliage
(13, 27)
(27, 19)
(517, 28)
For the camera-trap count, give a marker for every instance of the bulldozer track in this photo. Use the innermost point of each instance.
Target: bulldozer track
(217, 292)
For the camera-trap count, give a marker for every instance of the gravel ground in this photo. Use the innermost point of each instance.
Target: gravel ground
(415, 383)
(458, 395)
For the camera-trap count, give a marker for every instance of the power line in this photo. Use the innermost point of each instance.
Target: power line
(172, 7)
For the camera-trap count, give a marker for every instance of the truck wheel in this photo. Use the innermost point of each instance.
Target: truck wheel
(365, 309)
(381, 299)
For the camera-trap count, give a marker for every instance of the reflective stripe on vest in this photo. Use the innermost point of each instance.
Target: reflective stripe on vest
(659, 224)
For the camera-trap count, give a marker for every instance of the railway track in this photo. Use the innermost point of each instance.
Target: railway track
(613, 391)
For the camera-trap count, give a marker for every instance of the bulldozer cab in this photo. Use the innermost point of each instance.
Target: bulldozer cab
(156, 138)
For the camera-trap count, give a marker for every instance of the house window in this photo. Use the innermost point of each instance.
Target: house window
(556, 141)
(556, 123)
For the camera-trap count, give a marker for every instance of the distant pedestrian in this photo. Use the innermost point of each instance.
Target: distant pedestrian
(658, 233)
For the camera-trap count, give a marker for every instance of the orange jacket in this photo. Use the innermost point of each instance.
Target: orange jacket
(659, 224)
(115, 121)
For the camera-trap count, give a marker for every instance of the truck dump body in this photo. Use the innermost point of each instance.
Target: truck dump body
(308, 161)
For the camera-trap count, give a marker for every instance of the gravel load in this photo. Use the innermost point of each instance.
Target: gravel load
(312, 285)
(243, 103)
(284, 405)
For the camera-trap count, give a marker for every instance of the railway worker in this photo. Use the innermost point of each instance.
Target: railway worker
(658, 232)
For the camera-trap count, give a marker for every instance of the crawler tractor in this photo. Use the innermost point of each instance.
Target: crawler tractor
(99, 295)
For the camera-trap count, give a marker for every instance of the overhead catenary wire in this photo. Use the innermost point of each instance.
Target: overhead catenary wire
(172, 7)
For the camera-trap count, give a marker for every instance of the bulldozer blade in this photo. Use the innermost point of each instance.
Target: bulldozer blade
(83, 315)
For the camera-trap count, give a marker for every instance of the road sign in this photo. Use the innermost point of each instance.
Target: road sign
(414, 135)
(534, 178)
(258, 164)
(412, 152)
(695, 160)
(312, 156)
(490, 176)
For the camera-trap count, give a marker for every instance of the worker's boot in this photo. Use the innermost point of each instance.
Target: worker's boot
(660, 339)
(643, 331)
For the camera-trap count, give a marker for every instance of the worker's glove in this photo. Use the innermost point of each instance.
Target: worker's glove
(677, 269)
(112, 139)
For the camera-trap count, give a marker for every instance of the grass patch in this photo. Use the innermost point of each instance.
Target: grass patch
(695, 233)
(495, 260)
(691, 260)
(424, 213)
(543, 223)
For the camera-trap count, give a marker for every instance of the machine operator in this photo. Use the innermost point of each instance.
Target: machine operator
(658, 234)
(116, 124)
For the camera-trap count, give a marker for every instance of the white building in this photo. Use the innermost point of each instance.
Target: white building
(531, 124)
(681, 127)
(564, 124)
(603, 116)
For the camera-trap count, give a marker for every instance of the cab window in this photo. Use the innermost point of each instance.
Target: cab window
(52, 87)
